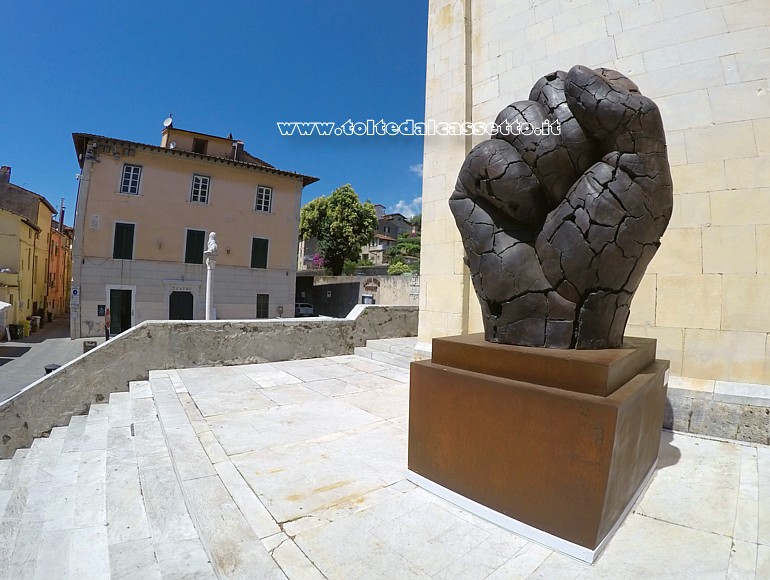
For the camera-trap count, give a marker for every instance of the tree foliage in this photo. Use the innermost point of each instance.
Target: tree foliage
(398, 268)
(416, 220)
(342, 225)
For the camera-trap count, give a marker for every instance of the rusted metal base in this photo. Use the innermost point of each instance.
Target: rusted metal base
(543, 453)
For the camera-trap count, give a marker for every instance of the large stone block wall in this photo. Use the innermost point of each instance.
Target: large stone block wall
(706, 63)
(158, 345)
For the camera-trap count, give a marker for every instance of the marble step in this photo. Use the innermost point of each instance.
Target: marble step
(400, 346)
(5, 465)
(64, 526)
(23, 514)
(233, 546)
(8, 482)
(383, 356)
(154, 535)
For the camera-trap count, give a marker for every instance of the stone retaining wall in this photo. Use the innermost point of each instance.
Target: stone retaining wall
(157, 345)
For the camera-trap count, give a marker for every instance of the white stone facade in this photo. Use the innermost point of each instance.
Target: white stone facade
(235, 290)
(706, 63)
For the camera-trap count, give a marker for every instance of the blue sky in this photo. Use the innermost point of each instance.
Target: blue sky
(119, 69)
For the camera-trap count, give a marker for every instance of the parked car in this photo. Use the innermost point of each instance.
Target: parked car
(304, 309)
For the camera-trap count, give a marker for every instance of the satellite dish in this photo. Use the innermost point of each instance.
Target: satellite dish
(168, 122)
(172, 145)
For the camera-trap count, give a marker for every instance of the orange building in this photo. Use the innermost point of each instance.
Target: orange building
(59, 268)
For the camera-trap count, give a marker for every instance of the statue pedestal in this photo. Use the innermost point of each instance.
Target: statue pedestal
(555, 445)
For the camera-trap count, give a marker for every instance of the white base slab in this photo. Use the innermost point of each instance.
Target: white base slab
(520, 528)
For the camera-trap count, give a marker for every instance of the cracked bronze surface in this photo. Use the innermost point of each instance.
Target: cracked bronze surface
(558, 229)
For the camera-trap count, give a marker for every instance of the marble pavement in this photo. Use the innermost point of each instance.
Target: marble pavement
(297, 470)
(314, 453)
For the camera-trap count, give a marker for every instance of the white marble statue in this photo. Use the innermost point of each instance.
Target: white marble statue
(212, 250)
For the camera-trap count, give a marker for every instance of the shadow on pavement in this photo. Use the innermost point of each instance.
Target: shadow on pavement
(13, 351)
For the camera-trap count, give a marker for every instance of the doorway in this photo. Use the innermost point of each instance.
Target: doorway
(120, 310)
(180, 306)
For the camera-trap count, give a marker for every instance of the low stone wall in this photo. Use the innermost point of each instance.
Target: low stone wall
(159, 345)
(729, 416)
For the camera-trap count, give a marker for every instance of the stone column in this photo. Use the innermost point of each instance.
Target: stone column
(211, 262)
(210, 265)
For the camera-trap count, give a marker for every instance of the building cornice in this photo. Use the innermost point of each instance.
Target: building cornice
(81, 142)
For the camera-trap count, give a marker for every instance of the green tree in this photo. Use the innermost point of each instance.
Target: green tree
(341, 223)
(416, 220)
(398, 268)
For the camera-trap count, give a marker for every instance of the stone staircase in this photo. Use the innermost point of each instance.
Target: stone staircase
(393, 351)
(99, 499)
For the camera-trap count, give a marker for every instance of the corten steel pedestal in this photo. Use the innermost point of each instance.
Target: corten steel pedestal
(555, 445)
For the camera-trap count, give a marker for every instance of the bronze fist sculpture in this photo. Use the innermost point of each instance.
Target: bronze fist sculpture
(562, 210)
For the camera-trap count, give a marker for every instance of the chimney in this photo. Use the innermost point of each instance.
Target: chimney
(5, 174)
(237, 149)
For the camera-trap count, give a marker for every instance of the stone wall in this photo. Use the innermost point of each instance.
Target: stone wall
(336, 295)
(158, 345)
(706, 63)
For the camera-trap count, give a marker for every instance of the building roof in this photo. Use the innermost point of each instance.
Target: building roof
(81, 141)
(19, 203)
(390, 216)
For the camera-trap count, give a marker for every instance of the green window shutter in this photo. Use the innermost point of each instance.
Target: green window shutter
(123, 246)
(259, 252)
(193, 253)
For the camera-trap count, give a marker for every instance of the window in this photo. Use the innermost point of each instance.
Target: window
(130, 182)
(200, 189)
(193, 253)
(123, 247)
(259, 252)
(263, 304)
(200, 146)
(264, 198)
(386, 229)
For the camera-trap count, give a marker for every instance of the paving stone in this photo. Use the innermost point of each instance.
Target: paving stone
(125, 507)
(252, 509)
(139, 389)
(134, 561)
(236, 550)
(119, 414)
(75, 430)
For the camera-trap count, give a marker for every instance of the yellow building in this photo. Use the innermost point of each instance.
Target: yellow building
(25, 232)
(144, 213)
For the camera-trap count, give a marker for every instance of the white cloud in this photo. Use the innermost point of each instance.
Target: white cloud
(416, 169)
(407, 209)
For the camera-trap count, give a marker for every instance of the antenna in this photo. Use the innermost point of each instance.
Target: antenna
(169, 120)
